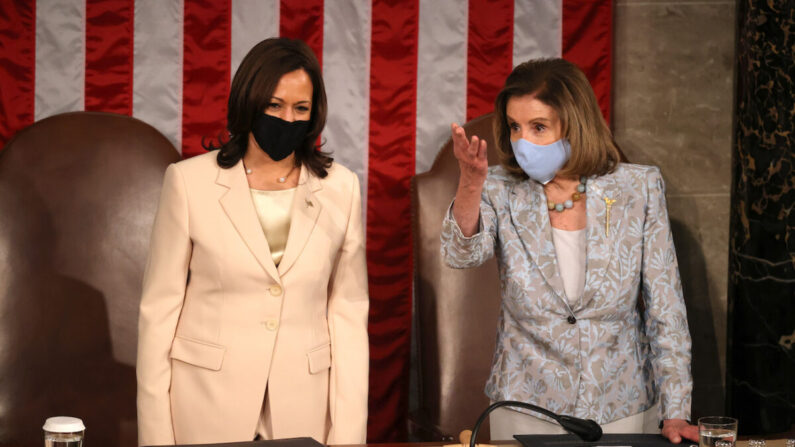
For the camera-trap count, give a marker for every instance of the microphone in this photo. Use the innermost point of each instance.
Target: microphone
(585, 429)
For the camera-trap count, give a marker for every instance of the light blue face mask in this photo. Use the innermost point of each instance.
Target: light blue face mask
(541, 162)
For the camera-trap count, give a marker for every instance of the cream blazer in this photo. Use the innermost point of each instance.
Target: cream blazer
(219, 321)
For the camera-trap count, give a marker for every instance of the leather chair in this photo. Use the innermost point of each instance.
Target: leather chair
(78, 194)
(457, 310)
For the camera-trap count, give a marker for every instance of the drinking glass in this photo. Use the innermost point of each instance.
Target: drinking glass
(63, 431)
(716, 428)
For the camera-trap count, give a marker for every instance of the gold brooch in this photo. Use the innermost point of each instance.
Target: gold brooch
(608, 203)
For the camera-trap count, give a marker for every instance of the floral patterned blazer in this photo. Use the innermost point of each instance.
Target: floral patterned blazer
(604, 355)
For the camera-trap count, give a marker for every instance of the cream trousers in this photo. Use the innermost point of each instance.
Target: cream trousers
(505, 423)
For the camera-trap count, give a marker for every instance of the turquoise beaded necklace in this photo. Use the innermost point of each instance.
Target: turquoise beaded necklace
(577, 195)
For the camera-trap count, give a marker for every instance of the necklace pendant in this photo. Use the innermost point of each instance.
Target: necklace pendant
(569, 204)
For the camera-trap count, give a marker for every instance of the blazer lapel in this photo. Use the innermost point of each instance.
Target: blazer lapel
(239, 207)
(531, 219)
(303, 216)
(605, 207)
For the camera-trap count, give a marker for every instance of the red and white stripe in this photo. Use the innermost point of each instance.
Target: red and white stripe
(397, 72)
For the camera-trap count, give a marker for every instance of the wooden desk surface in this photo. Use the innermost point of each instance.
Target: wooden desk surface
(740, 443)
(768, 442)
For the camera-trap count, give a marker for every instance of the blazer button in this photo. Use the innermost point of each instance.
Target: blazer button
(271, 325)
(571, 319)
(275, 290)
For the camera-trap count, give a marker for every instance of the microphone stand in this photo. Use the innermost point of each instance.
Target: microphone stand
(585, 429)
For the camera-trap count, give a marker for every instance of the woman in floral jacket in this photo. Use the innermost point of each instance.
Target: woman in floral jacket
(577, 235)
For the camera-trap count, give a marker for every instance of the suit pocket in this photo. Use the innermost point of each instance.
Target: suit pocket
(319, 359)
(198, 353)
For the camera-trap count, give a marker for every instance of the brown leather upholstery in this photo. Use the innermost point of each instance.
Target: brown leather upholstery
(457, 310)
(78, 194)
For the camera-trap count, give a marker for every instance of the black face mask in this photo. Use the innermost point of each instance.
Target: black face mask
(277, 137)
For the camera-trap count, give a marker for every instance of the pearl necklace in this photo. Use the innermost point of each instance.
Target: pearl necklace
(560, 207)
(278, 179)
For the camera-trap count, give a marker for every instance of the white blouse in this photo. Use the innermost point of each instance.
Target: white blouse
(570, 251)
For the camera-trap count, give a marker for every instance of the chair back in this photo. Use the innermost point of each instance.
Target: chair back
(457, 310)
(78, 195)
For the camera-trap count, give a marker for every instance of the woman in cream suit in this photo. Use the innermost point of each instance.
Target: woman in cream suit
(577, 236)
(253, 319)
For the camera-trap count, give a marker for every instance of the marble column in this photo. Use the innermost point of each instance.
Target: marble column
(761, 357)
(673, 76)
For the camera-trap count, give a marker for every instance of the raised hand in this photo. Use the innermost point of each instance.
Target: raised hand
(474, 166)
(471, 156)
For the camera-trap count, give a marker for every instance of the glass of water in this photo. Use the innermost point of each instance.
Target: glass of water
(63, 431)
(716, 428)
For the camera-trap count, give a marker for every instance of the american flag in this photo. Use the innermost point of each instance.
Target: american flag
(398, 72)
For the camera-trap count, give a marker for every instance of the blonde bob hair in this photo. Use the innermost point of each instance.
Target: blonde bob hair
(561, 85)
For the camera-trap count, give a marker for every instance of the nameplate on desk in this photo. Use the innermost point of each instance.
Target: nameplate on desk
(608, 440)
(291, 442)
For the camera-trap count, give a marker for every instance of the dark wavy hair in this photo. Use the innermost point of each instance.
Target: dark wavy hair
(251, 92)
